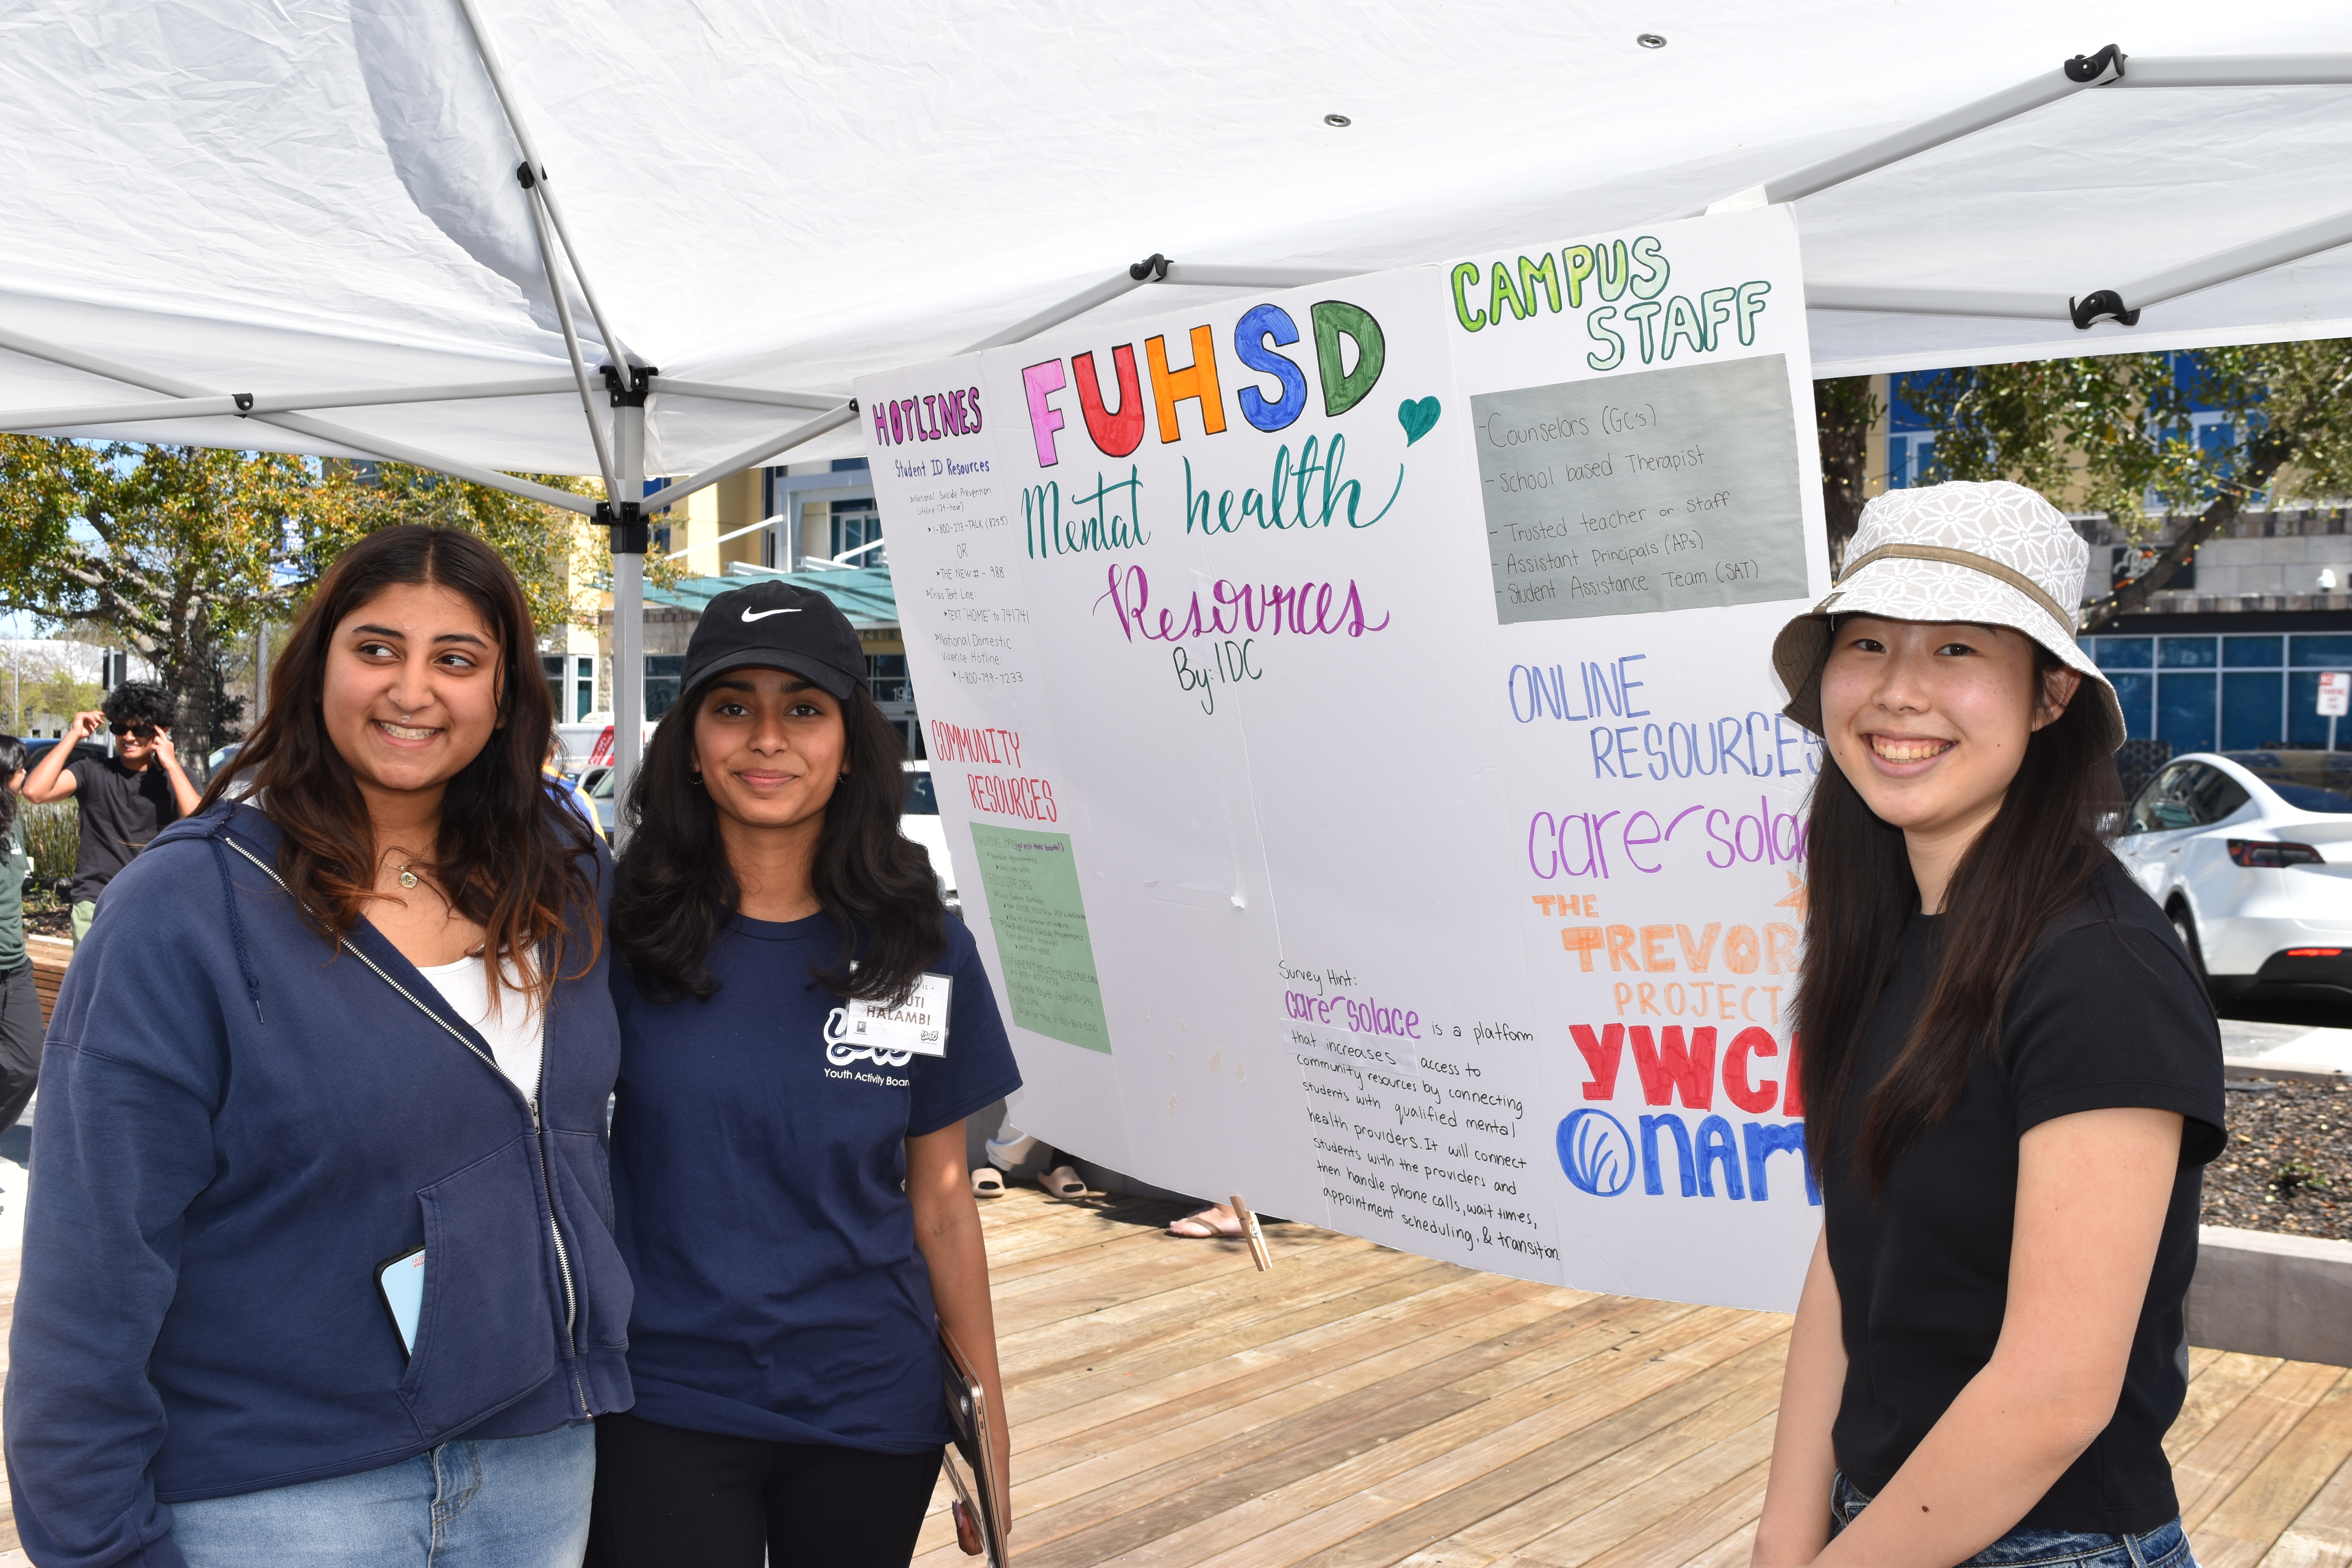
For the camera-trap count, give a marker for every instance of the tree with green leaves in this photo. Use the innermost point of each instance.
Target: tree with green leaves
(2109, 432)
(1845, 409)
(157, 545)
(180, 551)
(49, 688)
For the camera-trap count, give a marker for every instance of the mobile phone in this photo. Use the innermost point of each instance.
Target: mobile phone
(401, 1280)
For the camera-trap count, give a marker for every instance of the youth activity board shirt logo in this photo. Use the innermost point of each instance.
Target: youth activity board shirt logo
(842, 1050)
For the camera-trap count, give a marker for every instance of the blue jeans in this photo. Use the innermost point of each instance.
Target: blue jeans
(2167, 1546)
(501, 1502)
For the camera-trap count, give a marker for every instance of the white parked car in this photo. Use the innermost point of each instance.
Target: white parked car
(2250, 853)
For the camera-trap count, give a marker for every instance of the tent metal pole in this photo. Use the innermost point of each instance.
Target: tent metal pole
(1054, 316)
(375, 447)
(2007, 104)
(749, 457)
(2204, 272)
(96, 364)
(619, 349)
(37, 419)
(572, 340)
(2017, 306)
(401, 452)
(1207, 277)
(239, 405)
(629, 541)
(2256, 256)
(489, 53)
(2236, 70)
(2138, 72)
(670, 386)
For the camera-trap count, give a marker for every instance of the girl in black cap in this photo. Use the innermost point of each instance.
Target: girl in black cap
(789, 1167)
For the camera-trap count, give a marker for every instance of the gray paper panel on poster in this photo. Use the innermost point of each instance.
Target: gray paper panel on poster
(1663, 490)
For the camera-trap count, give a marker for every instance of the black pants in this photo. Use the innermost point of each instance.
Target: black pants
(668, 1498)
(20, 1042)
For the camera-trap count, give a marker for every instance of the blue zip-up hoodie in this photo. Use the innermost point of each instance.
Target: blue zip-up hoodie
(239, 1124)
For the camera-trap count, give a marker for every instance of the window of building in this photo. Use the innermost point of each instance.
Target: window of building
(1910, 439)
(856, 524)
(886, 676)
(2227, 694)
(662, 673)
(570, 685)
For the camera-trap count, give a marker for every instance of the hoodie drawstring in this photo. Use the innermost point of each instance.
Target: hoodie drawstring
(236, 923)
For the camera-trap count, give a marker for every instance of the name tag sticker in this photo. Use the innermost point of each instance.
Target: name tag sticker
(919, 1027)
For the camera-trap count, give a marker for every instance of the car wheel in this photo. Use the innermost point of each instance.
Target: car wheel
(2185, 927)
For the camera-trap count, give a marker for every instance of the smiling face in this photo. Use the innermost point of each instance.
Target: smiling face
(771, 746)
(1930, 720)
(135, 750)
(411, 691)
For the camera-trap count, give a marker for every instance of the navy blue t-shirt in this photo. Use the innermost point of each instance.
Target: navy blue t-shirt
(759, 1200)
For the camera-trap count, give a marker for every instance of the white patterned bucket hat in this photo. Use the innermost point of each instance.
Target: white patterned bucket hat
(1990, 554)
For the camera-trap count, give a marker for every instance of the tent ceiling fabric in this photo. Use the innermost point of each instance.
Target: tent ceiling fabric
(322, 194)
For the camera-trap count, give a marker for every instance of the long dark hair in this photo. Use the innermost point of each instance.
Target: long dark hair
(2038, 857)
(512, 857)
(12, 760)
(674, 891)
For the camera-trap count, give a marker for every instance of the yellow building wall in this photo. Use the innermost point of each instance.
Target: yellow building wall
(702, 517)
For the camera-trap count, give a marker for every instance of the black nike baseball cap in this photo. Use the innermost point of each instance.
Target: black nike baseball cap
(776, 625)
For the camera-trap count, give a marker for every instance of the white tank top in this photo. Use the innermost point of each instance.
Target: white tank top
(514, 1036)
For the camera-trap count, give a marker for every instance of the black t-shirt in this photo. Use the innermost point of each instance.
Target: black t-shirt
(2105, 1012)
(121, 811)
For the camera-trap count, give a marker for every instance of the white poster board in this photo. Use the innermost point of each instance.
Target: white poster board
(1351, 712)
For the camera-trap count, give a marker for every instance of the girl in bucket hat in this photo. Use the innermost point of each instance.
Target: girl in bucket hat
(2012, 1075)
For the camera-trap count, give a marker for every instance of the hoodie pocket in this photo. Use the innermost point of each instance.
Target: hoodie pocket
(584, 1192)
(485, 1336)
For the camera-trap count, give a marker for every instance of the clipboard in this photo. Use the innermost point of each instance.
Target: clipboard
(967, 1415)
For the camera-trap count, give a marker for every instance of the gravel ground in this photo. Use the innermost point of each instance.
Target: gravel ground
(2288, 1167)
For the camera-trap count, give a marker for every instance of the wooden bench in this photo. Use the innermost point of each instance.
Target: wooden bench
(49, 955)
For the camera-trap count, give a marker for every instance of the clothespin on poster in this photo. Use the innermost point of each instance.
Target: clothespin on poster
(1259, 1253)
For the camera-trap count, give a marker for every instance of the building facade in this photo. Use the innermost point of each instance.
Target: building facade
(2228, 655)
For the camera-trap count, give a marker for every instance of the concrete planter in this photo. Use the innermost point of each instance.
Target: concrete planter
(2272, 1295)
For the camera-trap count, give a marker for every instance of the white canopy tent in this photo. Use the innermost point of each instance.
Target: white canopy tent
(418, 229)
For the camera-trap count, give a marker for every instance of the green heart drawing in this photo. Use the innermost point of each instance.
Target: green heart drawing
(1418, 418)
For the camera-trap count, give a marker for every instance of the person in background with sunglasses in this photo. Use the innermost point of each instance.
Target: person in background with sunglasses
(127, 798)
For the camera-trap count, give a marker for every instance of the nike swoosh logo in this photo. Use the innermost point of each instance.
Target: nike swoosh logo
(764, 614)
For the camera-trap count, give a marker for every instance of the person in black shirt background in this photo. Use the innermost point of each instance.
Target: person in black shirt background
(127, 798)
(2012, 1078)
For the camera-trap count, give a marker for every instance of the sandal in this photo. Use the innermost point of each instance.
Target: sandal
(1064, 1181)
(1212, 1224)
(987, 1183)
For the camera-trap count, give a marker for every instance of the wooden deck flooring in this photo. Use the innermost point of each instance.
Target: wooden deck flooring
(1357, 1407)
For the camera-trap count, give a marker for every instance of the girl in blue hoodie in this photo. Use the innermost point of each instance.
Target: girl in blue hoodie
(319, 1265)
